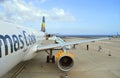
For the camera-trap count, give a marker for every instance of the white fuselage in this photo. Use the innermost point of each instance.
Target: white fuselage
(17, 44)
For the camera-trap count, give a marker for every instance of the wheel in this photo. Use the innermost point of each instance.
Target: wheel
(53, 59)
(48, 59)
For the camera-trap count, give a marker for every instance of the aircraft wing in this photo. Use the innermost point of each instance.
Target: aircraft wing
(44, 47)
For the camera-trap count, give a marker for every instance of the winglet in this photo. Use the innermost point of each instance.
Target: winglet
(43, 27)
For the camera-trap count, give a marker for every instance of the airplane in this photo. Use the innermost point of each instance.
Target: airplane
(19, 43)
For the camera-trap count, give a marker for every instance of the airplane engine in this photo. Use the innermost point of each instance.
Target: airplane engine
(65, 60)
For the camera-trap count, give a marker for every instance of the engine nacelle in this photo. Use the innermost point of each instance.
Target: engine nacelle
(65, 60)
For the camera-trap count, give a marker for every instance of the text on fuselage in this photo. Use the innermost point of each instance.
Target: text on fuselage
(15, 42)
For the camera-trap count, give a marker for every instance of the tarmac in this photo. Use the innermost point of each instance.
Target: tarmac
(101, 60)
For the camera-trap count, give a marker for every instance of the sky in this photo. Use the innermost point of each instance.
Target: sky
(69, 17)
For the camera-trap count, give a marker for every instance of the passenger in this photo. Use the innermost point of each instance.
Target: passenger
(99, 48)
(87, 47)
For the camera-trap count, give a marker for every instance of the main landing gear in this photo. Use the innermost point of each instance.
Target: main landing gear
(50, 57)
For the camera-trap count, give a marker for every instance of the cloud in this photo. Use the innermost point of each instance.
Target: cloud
(60, 15)
(19, 11)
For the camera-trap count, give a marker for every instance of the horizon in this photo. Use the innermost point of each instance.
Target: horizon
(88, 35)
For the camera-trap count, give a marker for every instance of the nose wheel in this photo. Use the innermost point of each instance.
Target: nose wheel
(50, 57)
